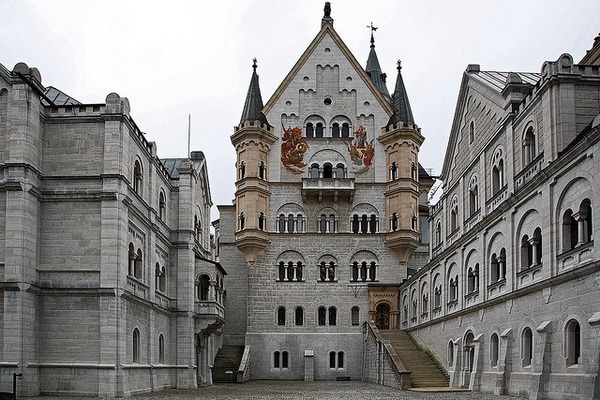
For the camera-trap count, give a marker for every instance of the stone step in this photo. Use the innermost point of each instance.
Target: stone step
(226, 364)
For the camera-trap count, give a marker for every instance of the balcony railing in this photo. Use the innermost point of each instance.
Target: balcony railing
(529, 172)
(327, 187)
(498, 198)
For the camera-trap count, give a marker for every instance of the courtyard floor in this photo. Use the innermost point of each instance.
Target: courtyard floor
(279, 390)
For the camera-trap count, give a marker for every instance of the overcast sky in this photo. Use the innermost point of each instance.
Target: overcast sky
(174, 58)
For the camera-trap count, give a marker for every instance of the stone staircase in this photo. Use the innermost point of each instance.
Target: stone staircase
(227, 363)
(426, 371)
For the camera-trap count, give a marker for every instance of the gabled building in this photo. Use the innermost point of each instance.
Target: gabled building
(329, 192)
(509, 300)
(108, 284)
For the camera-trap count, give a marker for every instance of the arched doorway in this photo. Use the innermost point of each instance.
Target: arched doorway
(382, 316)
(469, 352)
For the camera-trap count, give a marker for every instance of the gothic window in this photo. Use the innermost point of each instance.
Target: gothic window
(335, 130)
(340, 171)
(450, 353)
(321, 314)
(242, 219)
(494, 350)
(242, 170)
(162, 206)
(281, 316)
(394, 171)
(355, 315)
(204, 287)
(332, 316)
(437, 298)
(529, 146)
(572, 342)
(319, 130)
(137, 177)
(314, 171)
(526, 347)
(161, 349)
(261, 221)
(136, 345)
(453, 288)
(345, 130)
(310, 130)
(262, 170)
(299, 316)
(327, 170)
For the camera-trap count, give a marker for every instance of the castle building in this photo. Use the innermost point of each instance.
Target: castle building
(108, 284)
(329, 194)
(509, 301)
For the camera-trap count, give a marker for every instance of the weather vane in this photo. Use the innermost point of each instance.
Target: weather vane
(373, 29)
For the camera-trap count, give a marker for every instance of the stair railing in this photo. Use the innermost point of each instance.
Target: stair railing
(381, 362)
(243, 371)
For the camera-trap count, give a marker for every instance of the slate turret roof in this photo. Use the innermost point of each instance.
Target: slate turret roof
(253, 106)
(374, 70)
(400, 103)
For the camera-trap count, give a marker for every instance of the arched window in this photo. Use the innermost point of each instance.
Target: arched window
(355, 315)
(137, 177)
(161, 349)
(413, 172)
(497, 177)
(242, 170)
(310, 130)
(438, 233)
(323, 224)
(314, 171)
(454, 215)
(332, 316)
(332, 359)
(494, 350)
(162, 206)
(139, 259)
(299, 223)
(132, 257)
(373, 224)
(372, 271)
(327, 170)
(355, 271)
(281, 223)
(355, 224)
(340, 359)
(299, 314)
(204, 287)
(529, 146)
(160, 278)
(364, 224)
(526, 253)
(363, 271)
(526, 347)
(437, 298)
(299, 276)
(450, 353)
(242, 220)
(136, 345)
(572, 342)
(473, 196)
(498, 267)
(469, 352)
(321, 314)
(345, 130)
(262, 170)
(335, 130)
(453, 288)
(261, 221)
(281, 316)
(281, 271)
(473, 279)
(319, 130)
(276, 359)
(569, 230)
(340, 171)
(585, 220)
(425, 303)
(537, 246)
(290, 223)
(394, 171)
(471, 132)
(394, 223)
(285, 359)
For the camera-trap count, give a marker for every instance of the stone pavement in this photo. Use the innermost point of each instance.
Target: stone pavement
(279, 390)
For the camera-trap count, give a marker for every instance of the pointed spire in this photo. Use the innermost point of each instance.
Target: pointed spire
(253, 105)
(373, 68)
(400, 104)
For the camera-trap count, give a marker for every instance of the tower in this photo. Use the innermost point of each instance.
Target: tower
(401, 138)
(252, 140)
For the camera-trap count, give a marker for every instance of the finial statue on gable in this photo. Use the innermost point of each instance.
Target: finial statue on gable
(327, 14)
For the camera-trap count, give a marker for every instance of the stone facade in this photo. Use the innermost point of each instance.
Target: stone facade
(325, 217)
(509, 301)
(108, 284)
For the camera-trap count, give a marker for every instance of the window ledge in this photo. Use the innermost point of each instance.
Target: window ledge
(497, 283)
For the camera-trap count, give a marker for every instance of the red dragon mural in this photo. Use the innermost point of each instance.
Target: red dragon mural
(293, 148)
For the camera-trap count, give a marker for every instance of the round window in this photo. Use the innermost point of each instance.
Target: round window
(327, 101)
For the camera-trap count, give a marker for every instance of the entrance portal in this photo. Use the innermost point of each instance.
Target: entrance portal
(382, 314)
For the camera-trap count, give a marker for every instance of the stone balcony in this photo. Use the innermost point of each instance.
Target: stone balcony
(529, 172)
(336, 188)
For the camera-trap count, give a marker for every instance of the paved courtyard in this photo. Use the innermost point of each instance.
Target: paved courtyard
(278, 390)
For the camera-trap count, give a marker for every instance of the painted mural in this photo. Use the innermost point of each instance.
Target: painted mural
(293, 147)
(361, 150)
